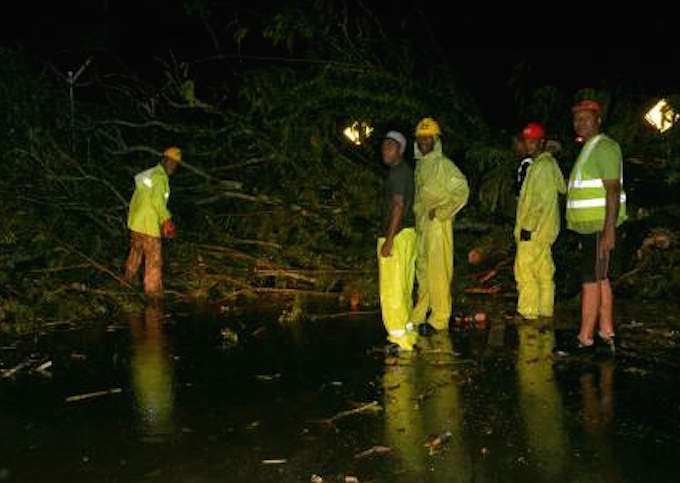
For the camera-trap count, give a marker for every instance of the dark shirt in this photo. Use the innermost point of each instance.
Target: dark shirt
(399, 182)
(522, 173)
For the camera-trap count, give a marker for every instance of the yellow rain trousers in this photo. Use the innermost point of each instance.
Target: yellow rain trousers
(397, 273)
(441, 186)
(538, 212)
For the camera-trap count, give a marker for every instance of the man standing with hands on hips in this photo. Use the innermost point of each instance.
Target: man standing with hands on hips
(441, 192)
(596, 206)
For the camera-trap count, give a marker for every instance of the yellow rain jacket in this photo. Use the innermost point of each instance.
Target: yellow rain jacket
(538, 213)
(440, 185)
(149, 204)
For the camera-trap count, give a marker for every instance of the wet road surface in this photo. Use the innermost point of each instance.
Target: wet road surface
(169, 397)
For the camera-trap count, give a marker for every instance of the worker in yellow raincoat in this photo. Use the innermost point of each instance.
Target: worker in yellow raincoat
(397, 247)
(537, 224)
(441, 192)
(149, 220)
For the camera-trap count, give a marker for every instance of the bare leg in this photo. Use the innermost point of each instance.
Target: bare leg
(590, 308)
(606, 308)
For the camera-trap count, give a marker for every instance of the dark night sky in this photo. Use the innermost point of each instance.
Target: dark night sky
(564, 47)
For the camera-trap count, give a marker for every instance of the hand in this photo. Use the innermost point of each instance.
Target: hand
(386, 249)
(607, 243)
(432, 213)
(169, 229)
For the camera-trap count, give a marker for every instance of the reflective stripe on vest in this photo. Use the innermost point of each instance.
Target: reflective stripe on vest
(589, 183)
(592, 203)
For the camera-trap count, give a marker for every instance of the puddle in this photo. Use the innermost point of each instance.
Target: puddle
(164, 397)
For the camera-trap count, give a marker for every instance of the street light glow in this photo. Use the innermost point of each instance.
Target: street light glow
(357, 132)
(662, 116)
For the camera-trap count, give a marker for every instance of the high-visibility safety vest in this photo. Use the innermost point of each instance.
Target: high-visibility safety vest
(586, 196)
(148, 207)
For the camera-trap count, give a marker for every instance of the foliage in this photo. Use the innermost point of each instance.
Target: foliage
(266, 163)
(271, 190)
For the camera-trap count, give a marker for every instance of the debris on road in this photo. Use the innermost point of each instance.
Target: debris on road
(373, 451)
(90, 395)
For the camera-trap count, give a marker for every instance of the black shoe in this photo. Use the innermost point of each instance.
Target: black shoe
(392, 349)
(575, 348)
(426, 329)
(605, 345)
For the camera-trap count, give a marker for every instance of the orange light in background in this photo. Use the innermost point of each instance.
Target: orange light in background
(662, 116)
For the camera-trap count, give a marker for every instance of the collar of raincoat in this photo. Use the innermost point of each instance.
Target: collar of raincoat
(436, 149)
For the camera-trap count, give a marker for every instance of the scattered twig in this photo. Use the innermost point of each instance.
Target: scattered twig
(98, 265)
(372, 406)
(484, 290)
(342, 314)
(10, 372)
(90, 395)
(282, 291)
(434, 442)
(488, 275)
(373, 451)
(279, 272)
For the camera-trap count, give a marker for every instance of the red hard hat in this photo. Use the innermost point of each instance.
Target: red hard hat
(587, 105)
(533, 130)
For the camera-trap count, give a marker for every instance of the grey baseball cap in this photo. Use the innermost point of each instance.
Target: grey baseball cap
(398, 137)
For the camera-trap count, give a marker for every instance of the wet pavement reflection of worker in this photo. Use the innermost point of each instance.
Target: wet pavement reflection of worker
(152, 374)
(597, 393)
(598, 401)
(540, 400)
(423, 415)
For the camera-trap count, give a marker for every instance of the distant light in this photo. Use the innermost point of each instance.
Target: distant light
(357, 132)
(662, 116)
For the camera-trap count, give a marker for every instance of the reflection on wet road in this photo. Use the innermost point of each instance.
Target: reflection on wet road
(151, 373)
(540, 400)
(162, 398)
(423, 415)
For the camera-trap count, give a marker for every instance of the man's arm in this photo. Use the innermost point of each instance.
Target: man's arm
(158, 201)
(455, 194)
(396, 211)
(608, 240)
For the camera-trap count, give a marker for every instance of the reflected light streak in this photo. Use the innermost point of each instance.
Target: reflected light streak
(152, 375)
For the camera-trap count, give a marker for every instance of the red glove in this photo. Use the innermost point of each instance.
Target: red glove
(169, 229)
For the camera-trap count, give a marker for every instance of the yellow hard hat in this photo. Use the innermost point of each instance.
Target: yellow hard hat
(427, 127)
(174, 153)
